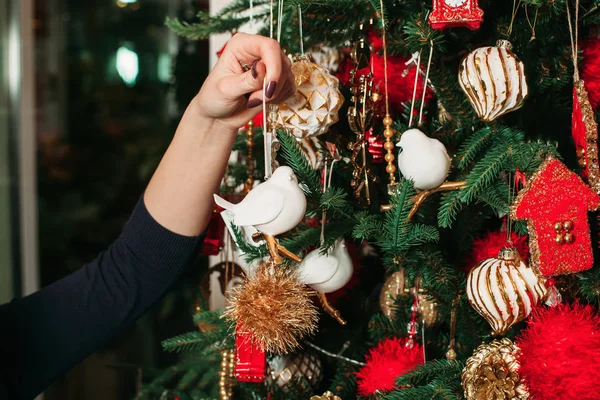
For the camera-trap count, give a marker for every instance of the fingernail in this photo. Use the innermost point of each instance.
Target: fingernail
(254, 103)
(271, 89)
(253, 69)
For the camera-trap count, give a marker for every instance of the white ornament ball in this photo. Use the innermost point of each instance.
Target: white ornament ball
(327, 272)
(316, 104)
(493, 78)
(504, 290)
(423, 160)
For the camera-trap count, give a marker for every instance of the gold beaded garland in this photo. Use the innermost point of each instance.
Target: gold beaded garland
(227, 374)
(388, 133)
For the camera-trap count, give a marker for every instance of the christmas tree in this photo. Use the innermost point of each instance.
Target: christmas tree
(446, 231)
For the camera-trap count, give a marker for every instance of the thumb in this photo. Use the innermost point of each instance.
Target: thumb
(237, 85)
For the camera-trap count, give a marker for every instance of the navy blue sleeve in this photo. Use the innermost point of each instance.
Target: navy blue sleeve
(45, 334)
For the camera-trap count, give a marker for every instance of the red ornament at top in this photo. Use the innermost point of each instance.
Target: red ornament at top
(555, 204)
(455, 13)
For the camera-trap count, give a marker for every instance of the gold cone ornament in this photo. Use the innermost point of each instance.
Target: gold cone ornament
(492, 373)
(504, 290)
(316, 104)
(493, 78)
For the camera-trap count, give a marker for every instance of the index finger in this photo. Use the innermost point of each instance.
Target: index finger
(248, 48)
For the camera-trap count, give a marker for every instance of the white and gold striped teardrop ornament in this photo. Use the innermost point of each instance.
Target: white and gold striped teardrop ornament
(493, 78)
(504, 290)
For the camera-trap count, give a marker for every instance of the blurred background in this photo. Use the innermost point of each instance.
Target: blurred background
(90, 94)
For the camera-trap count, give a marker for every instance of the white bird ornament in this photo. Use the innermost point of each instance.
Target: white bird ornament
(326, 273)
(423, 160)
(273, 207)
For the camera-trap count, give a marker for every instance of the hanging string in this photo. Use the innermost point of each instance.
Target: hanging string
(514, 15)
(414, 96)
(300, 26)
(271, 20)
(534, 20)
(574, 38)
(324, 213)
(330, 354)
(508, 219)
(251, 13)
(279, 19)
(425, 84)
(385, 71)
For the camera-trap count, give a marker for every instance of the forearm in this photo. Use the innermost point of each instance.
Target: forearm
(180, 194)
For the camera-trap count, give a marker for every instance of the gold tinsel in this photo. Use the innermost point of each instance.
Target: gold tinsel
(326, 396)
(492, 373)
(275, 307)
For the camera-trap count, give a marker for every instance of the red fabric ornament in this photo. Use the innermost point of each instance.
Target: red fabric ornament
(215, 234)
(385, 363)
(490, 245)
(250, 360)
(560, 349)
(590, 70)
(375, 146)
(555, 204)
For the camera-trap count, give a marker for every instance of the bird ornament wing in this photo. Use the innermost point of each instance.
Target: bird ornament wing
(317, 267)
(259, 206)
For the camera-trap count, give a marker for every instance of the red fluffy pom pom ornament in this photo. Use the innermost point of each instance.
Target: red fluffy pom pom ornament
(391, 359)
(560, 350)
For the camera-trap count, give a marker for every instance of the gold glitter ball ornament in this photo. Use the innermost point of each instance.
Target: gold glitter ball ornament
(275, 307)
(504, 290)
(395, 286)
(316, 104)
(492, 373)
(493, 78)
(326, 396)
(305, 368)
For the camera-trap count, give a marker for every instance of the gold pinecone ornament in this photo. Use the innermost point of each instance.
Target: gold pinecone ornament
(326, 396)
(492, 373)
(316, 104)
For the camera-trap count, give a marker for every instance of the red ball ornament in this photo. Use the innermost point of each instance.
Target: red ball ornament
(590, 70)
(560, 350)
(391, 359)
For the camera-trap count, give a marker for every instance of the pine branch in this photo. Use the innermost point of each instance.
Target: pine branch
(473, 145)
(294, 157)
(450, 206)
(447, 369)
(193, 341)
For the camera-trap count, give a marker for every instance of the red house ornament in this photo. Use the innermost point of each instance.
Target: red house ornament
(455, 13)
(555, 202)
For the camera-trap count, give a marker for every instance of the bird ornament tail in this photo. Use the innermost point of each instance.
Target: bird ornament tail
(221, 202)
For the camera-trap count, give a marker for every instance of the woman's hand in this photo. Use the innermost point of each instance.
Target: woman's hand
(232, 96)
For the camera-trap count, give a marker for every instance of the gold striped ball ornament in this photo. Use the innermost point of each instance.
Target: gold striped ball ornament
(504, 290)
(315, 105)
(492, 373)
(313, 151)
(493, 78)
